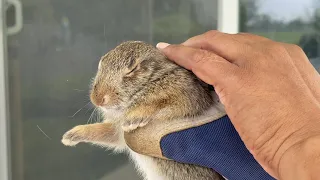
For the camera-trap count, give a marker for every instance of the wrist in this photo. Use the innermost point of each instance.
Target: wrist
(301, 161)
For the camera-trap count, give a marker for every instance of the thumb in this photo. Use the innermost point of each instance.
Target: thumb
(208, 66)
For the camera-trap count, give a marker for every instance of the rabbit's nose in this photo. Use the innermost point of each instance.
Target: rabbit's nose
(105, 100)
(100, 100)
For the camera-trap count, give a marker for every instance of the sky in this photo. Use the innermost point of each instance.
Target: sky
(287, 9)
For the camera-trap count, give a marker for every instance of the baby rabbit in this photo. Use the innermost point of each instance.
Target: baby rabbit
(136, 84)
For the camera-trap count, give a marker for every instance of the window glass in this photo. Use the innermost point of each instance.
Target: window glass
(51, 62)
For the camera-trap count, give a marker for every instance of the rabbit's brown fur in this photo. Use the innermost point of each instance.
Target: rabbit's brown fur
(136, 84)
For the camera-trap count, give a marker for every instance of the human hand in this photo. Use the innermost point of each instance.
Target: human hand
(270, 90)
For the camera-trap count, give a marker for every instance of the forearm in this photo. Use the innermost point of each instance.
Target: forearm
(301, 161)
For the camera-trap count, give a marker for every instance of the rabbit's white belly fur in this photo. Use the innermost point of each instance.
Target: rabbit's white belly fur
(146, 166)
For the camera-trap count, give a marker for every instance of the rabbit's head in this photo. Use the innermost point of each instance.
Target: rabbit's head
(135, 71)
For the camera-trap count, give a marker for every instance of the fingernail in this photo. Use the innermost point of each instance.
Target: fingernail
(162, 45)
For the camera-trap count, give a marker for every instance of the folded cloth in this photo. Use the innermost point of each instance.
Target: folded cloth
(210, 141)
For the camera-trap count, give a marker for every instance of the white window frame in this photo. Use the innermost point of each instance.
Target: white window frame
(228, 16)
(5, 167)
(228, 22)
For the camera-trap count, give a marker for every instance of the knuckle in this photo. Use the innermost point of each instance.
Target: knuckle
(200, 56)
(297, 48)
(213, 34)
(276, 48)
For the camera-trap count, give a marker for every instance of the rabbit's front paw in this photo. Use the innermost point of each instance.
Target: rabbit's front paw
(73, 136)
(133, 124)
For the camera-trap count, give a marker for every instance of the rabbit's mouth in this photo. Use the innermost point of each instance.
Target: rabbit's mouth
(106, 108)
(112, 111)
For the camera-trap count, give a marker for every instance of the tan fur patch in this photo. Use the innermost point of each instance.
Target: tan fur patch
(100, 132)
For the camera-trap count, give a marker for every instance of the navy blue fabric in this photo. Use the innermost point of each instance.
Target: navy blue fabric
(216, 145)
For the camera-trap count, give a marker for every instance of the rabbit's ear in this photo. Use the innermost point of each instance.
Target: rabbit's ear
(105, 134)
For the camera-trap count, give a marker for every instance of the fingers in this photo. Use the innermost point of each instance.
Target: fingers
(236, 48)
(208, 66)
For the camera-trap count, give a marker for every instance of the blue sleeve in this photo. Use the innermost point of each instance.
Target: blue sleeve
(216, 145)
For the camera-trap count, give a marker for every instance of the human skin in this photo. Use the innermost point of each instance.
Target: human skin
(270, 91)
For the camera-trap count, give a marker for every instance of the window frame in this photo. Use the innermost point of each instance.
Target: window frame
(5, 166)
(228, 16)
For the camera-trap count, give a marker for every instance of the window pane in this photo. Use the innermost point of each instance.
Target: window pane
(290, 21)
(51, 62)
